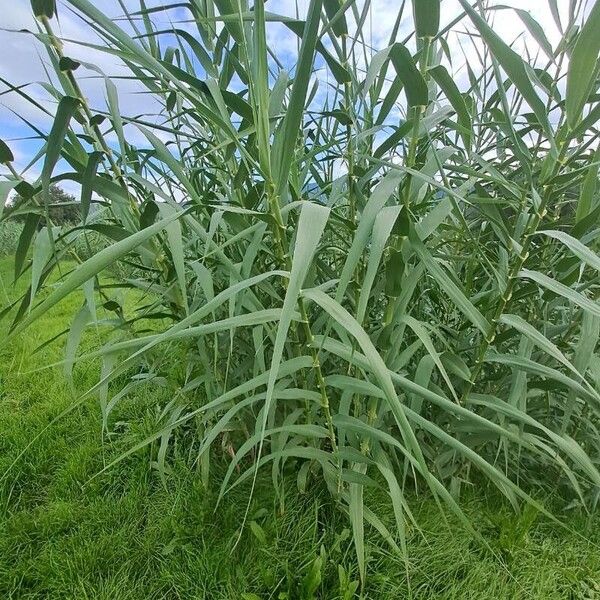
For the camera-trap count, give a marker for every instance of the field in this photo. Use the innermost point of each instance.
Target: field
(303, 304)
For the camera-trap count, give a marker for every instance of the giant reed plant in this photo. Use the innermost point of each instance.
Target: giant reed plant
(367, 269)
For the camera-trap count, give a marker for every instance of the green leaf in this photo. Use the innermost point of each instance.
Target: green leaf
(68, 64)
(284, 144)
(42, 250)
(43, 8)
(443, 79)
(287, 368)
(427, 342)
(377, 365)
(412, 80)
(260, 88)
(512, 64)
(537, 338)
(427, 17)
(6, 154)
(536, 368)
(184, 324)
(79, 323)
(584, 354)
(374, 68)
(382, 229)
(66, 108)
(586, 200)
(258, 532)
(313, 218)
(394, 272)
(583, 66)
(340, 27)
(446, 283)
(29, 229)
(340, 73)
(176, 166)
(357, 519)
(537, 31)
(562, 290)
(115, 113)
(576, 247)
(563, 442)
(381, 194)
(87, 183)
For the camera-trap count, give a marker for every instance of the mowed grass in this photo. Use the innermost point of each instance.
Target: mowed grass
(67, 533)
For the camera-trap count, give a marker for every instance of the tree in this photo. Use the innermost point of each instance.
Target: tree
(64, 208)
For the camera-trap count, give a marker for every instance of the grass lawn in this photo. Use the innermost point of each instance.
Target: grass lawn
(66, 534)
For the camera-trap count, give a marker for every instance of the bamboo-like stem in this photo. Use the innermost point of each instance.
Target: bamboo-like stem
(512, 277)
(349, 143)
(284, 258)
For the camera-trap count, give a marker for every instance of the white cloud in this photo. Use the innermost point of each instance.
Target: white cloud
(25, 59)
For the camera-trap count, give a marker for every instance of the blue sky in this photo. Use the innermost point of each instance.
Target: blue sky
(22, 58)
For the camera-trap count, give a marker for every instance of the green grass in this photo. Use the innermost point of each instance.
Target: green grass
(123, 535)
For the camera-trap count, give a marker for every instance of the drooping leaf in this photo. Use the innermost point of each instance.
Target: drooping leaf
(562, 290)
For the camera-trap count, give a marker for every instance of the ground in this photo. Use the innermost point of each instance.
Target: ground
(68, 533)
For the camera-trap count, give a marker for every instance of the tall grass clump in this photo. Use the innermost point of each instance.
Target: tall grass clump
(372, 267)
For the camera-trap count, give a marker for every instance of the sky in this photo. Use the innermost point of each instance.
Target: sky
(22, 58)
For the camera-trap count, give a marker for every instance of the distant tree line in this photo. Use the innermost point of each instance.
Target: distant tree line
(63, 207)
